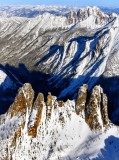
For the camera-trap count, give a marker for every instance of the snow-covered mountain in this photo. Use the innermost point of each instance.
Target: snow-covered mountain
(68, 51)
(30, 11)
(59, 50)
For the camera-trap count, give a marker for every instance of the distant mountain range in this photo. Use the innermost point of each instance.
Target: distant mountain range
(33, 11)
(110, 10)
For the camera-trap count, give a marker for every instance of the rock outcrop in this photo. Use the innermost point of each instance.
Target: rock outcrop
(94, 108)
(96, 111)
(35, 116)
(81, 99)
(22, 106)
(72, 17)
(104, 109)
(84, 13)
(49, 105)
(33, 119)
(22, 102)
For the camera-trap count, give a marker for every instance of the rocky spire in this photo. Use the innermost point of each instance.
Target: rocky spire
(49, 105)
(104, 109)
(23, 101)
(30, 114)
(20, 108)
(36, 115)
(81, 99)
(72, 17)
(96, 111)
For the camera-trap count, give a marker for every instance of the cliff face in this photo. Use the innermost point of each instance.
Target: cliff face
(95, 108)
(96, 111)
(81, 99)
(90, 12)
(22, 102)
(35, 115)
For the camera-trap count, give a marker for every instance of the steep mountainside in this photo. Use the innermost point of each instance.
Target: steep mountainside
(63, 52)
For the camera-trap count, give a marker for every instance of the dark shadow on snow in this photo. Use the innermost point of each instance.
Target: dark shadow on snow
(52, 51)
(111, 149)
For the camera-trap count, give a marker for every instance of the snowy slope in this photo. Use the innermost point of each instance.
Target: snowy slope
(73, 141)
(69, 50)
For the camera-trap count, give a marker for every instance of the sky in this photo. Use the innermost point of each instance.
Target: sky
(78, 3)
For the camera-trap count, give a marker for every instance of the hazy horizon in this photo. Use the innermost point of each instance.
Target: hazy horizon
(74, 3)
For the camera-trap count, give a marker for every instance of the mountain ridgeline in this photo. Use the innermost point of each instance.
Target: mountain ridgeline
(27, 117)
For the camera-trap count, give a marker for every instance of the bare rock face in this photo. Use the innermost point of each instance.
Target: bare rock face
(72, 17)
(100, 17)
(36, 115)
(49, 105)
(83, 13)
(96, 111)
(33, 119)
(81, 99)
(60, 103)
(22, 104)
(30, 113)
(14, 139)
(93, 109)
(104, 109)
(23, 101)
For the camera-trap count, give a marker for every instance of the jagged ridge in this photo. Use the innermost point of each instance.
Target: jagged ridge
(32, 116)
